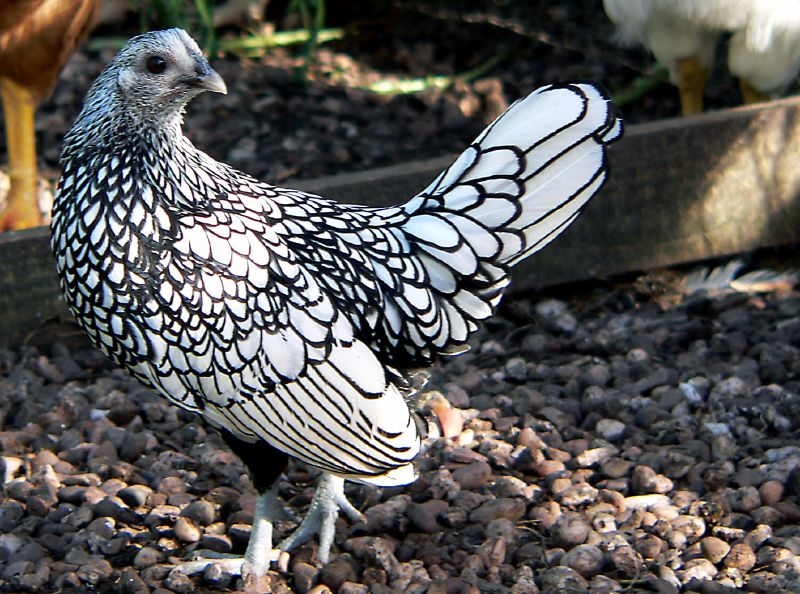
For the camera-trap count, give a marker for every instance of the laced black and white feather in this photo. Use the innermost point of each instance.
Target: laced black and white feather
(280, 315)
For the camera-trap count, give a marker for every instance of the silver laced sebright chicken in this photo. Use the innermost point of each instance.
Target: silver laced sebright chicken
(282, 318)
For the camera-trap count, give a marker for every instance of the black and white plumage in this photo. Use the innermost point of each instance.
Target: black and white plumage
(280, 316)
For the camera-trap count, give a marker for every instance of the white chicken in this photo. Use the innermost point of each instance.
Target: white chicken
(763, 52)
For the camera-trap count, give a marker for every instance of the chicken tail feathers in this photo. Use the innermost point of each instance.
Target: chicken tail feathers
(511, 192)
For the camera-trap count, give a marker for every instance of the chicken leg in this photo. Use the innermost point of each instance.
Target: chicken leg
(750, 94)
(692, 78)
(328, 500)
(22, 207)
(259, 554)
(320, 519)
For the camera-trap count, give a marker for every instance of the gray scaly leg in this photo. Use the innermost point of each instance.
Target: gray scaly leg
(328, 499)
(259, 554)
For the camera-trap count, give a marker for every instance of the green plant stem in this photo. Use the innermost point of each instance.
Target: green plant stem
(206, 14)
(252, 43)
(415, 85)
(640, 87)
(313, 25)
(280, 39)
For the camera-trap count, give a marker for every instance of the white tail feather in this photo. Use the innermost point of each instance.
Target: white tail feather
(517, 186)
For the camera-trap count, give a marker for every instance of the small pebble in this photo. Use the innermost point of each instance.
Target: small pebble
(221, 543)
(649, 546)
(135, 495)
(745, 499)
(562, 579)
(113, 507)
(741, 557)
(133, 446)
(509, 486)
(691, 527)
(386, 515)
(472, 475)
(611, 430)
(771, 492)
(511, 509)
(586, 559)
(626, 560)
(714, 549)
(131, 582)
(186, 531)
(146, 556)
(353, 588)
(577, 495)
(646, 502)
(697, 569)
(570, 529)
(200, 511)
(305, 576)
(341, 569)
(93, 571)
(179, 582)
(646, 480)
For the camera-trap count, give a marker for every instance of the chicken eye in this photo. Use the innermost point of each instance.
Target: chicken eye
(156, 64)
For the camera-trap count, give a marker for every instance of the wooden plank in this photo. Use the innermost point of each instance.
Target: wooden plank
(680, 190)
(683, 190)
(29, 293)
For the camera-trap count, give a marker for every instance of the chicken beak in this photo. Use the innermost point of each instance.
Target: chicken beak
(205, 78)
(212, 81)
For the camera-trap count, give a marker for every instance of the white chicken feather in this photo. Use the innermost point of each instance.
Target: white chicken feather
(763, 51)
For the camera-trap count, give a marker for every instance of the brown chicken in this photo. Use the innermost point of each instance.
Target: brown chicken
(37, 37)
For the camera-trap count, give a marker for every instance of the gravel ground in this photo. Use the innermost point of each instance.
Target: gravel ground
(606, 443)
